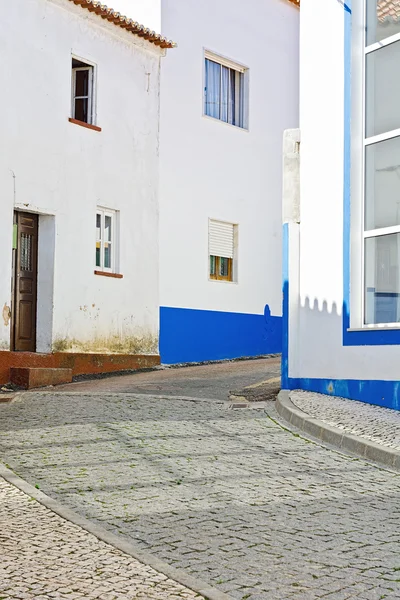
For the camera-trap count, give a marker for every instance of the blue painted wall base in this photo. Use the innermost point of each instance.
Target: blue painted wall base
(189, 335)
(381, 393)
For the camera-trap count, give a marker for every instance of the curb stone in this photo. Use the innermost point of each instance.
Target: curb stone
(335, 436)
(178, 575)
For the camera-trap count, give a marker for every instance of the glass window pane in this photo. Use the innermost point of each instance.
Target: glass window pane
(212, 265)
(382, 184)
(382, 92)
(382, 282)
(107, 228)
(224, 267)
(98, 250)
(98, 227)
(82, 83)
(224, 94)
(81, 109)
(383, 19)
(107, 256)
(213, 89)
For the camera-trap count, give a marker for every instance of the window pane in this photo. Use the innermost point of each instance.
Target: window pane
(383, 19)
(213, 89)
(224, 94)
(82, 83)
(382, 289)
(81, 109)
(382, 90)
(233, 91)
(107, 229)
(212, 265)
(382, 184)
(98, 227)
(224, 267)
(107, 256)
(98, 249)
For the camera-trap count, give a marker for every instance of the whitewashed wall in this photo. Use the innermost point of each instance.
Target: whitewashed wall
(317, 343)
(65, 171)
(213, 170)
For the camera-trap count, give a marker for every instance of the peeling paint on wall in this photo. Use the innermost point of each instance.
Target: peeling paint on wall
(145, 343)
(6, 314)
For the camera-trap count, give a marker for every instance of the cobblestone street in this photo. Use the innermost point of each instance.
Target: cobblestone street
(228, 496)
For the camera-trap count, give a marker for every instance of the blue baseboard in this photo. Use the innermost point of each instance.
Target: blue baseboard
(189, 335)
(381, 393)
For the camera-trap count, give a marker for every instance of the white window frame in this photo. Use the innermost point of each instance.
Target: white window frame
(91, 68)
(239, 68)
(359, 143)
(106, 212)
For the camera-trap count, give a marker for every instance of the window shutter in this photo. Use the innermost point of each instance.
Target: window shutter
(220, 239)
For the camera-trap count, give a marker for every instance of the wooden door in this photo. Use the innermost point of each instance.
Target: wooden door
(25, 282)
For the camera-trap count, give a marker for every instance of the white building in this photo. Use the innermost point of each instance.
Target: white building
(228, 91)
(342, 267)
(79, 176)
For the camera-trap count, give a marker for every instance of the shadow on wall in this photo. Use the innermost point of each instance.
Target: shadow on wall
(318, 322)
(189, 335)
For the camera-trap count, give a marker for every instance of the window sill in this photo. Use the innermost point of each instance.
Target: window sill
(106, 274)
(83, 124)
(222, 281)
(215, 119)
(383, 327)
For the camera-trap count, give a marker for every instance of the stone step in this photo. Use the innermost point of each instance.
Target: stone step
(28, 378)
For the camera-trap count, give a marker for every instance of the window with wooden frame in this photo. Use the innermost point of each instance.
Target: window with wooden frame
(82, 91)
(106, 242)
(221, 249)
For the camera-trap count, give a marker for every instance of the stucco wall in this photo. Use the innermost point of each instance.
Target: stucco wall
(65, 170)
(329, 358)
(210, 169)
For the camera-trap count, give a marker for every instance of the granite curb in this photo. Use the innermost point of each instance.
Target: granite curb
(335, 436)
(178, 575)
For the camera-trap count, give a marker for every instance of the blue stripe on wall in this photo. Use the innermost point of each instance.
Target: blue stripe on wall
(285, 308)
(190, 335)
(381, 393)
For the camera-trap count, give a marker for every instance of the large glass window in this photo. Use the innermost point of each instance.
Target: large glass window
(224, 91)
(382, 163)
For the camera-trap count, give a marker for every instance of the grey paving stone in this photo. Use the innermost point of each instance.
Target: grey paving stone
(229, 496)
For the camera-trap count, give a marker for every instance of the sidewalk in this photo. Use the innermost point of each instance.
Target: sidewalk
(45, 557)
(369, 431)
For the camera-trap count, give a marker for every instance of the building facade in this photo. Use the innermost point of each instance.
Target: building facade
(79, 176)
(341, 244)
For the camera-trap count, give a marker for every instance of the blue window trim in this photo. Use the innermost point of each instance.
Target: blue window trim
(353, 338)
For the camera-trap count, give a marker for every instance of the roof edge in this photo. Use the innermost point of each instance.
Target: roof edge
(124, 22)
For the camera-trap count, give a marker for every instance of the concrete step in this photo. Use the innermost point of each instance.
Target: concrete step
(28, 378)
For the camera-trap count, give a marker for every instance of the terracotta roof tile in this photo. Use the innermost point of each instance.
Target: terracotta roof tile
(121, 21)
(296, 2)
(388, 10)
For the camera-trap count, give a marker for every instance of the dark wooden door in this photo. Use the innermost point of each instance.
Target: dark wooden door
(25, 282)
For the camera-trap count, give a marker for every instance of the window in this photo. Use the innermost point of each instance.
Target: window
(381, 160)
(224, 91)
(106, 249)
(221, 248)
(82, 91)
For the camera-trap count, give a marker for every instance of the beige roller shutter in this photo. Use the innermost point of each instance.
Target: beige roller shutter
(220, 239)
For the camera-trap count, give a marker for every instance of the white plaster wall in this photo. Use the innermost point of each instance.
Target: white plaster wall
(320, 352)
(213, 170)
(65, 170)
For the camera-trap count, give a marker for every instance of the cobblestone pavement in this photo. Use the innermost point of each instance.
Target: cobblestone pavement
(44, 557)
(215, 380)
(226, 495)
(380, 425)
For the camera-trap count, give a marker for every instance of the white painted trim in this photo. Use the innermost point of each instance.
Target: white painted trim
(382, 231)
(226, 62)
(382, 137)
(382, 43)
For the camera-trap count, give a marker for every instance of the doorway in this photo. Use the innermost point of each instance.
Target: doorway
(24, 282)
